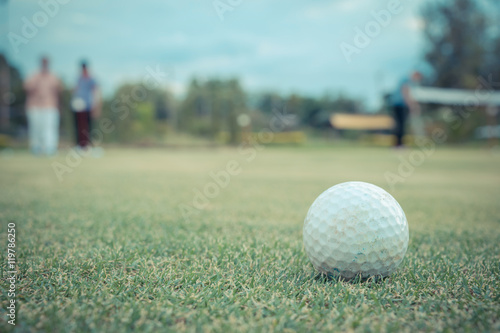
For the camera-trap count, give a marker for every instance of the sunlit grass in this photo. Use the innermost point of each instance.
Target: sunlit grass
(109, 250)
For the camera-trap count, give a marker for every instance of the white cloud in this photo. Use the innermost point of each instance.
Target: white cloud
(80, 19)
(415, 23)
(176, 38)
(330, 9)
(270, 50)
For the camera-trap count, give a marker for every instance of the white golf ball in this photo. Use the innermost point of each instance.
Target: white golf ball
(356, 228)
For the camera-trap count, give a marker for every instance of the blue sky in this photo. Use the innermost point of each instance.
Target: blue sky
(284, 46)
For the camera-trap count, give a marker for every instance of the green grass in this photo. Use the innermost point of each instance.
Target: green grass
(108, 249)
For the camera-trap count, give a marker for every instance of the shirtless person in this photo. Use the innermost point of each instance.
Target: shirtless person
(42, 110)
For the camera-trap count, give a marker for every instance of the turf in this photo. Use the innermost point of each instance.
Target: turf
(112, 249)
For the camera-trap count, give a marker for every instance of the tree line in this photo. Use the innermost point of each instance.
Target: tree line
(462, 45)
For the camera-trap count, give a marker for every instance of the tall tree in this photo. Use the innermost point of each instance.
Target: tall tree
(5, 84)
(194, 109)
(456, 34)
(236, 104)
(12, 96)
(491, 65)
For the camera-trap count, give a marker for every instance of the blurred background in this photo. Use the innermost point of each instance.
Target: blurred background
(219, 123)
(217, 72)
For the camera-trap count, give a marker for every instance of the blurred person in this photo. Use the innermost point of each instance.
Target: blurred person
(43, 91)
(403, 105)
(85, 104)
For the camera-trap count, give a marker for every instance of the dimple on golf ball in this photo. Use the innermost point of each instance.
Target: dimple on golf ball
(356, 228)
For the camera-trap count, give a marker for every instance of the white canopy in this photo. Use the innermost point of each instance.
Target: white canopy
(456, 96)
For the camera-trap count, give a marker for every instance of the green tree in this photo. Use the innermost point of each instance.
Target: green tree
(236, 104)
(456, 37)
(194, 112)
(463, 43)
(137, 113)
(491, 65)
(269, 101)
(212, 107)
(12, 97)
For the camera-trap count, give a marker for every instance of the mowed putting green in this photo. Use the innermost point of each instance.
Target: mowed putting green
(130, 242)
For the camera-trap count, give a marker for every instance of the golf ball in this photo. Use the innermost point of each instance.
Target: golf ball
(355, 228)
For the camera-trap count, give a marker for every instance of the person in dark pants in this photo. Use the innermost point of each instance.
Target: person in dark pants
(400, 114)
(85, 104)
(403, 104)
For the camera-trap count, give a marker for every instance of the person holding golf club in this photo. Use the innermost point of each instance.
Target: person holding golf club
(404, 105)
(85, 104)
